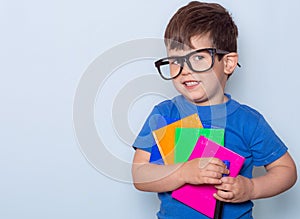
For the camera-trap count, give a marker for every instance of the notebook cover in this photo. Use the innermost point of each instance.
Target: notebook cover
(186, 138)
(200, 197)
(165, 136)
(155, 156)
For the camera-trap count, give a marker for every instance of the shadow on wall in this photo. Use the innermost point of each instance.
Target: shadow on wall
(281, 205)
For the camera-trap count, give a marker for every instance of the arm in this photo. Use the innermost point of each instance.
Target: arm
(163, 178)
(281, 175)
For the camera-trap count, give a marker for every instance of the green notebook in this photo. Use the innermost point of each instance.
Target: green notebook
(186, 139)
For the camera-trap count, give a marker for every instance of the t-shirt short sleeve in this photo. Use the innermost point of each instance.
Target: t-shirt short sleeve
(145, 140)
(266, 146)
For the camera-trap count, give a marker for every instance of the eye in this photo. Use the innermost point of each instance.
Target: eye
(175, 61)
(198, 57)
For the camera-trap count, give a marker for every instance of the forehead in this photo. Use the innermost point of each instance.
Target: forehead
(197, 42)
(200, 42)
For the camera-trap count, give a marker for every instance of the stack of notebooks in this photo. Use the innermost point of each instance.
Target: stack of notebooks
(184, 140)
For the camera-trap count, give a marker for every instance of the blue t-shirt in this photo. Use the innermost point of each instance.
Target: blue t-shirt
(246, 133)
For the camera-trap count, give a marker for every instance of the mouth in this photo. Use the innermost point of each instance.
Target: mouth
(191, 84)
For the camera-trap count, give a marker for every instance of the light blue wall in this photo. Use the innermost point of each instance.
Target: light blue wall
(47, 47)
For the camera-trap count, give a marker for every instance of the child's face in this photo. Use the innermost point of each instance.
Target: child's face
(205, 88)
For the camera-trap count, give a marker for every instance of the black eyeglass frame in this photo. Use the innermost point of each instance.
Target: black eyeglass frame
(185, 59)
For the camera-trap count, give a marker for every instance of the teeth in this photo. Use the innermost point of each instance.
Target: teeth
(191, 83)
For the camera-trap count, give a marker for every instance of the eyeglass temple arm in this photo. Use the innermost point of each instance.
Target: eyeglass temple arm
(223, 52)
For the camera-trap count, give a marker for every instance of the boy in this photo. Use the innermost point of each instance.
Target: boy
(201, 40)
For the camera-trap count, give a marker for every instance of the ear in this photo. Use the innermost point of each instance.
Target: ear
(230, 62)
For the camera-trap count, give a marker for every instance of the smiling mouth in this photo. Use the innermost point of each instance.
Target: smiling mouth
(191, 83)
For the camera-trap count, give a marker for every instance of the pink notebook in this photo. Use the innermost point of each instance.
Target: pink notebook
(200, 197)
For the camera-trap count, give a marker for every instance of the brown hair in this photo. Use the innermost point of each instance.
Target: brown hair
(198, 19)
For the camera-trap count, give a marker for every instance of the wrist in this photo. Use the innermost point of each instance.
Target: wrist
(252, 191)
(181, 174)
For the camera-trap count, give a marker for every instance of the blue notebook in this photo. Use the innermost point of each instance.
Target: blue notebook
(155, 156)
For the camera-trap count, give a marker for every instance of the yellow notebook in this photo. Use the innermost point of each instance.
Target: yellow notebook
(165, 136)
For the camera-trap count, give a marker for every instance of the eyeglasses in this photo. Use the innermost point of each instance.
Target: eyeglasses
(200, 60)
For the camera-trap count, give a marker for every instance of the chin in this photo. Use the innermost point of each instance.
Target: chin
(199, 100)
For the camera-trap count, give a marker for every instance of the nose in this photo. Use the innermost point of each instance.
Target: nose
(186, 69)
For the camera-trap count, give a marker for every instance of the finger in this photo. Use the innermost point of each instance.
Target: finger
(217, 161)
(212, 165)
(225, 187)
(214, 168)
(210, 160)
(220, 186)
(205, 162)
(216, 196)
(211, 174)
(213, 181)
(228, 180)
(221, 165)
(225, 195)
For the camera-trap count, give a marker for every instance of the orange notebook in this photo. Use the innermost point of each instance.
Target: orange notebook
(165, 136)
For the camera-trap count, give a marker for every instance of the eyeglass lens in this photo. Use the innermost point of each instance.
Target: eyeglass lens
(196, 61)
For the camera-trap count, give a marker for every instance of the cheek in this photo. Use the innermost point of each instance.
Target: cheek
(176, 83)
(216, 76)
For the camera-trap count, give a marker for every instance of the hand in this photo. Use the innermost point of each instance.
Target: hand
(235, 190)
(203, 171)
